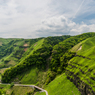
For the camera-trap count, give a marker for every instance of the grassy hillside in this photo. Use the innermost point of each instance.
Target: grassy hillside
(81, 68)
(61, 86)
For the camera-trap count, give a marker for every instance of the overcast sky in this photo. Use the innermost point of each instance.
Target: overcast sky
(42, 18)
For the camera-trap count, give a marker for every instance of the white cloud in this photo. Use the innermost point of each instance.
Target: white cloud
(37, 18)
(60, 25)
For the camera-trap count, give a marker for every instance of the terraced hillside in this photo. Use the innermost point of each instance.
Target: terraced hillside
(81, 68)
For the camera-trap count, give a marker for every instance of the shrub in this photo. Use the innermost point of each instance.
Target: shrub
(12, 84)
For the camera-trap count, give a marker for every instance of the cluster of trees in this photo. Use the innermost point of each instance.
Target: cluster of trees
(55, 40)
(18, 53)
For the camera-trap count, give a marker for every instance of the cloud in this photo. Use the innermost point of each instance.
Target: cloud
(60, 25)
(21, 17)
(38, 18)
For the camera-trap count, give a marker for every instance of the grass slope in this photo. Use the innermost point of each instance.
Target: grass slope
(61, 86)
(30, 76)
(81, 68)
(34, 76)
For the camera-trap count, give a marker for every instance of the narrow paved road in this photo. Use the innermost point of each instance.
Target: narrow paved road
(33, 86)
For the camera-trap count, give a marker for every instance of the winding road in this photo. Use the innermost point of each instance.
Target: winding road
(33, 86)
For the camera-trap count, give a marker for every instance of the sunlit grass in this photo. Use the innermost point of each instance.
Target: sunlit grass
(62, 86)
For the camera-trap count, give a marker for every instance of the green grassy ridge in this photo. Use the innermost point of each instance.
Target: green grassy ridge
(39, 55)
(83, 68)
(61, 86)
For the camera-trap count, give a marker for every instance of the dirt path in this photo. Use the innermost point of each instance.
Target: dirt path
(33, 86)
(80, 48)
(26, 45)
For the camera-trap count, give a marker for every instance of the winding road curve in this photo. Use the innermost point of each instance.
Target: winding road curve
(33, 86)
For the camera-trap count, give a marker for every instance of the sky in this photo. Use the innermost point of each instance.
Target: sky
(43, 18)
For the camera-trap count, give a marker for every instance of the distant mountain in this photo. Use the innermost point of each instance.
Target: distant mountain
(12, 50)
